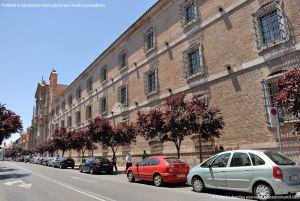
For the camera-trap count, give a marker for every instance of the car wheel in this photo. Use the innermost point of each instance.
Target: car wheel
(60, 166)
(80, 169)
(130, 176)
(263, 191)
(198, 185)
(72, 167)
(157, 180)
(92, 170)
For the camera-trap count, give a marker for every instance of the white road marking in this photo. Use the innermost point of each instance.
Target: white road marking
(86, 180)
(81, 191)
(23, 184)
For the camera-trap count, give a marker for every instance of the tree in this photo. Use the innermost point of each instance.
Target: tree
(61, 139)
(9, 123)
(41, 148)
(50, 146)
(102, 131)
(81, 141)
(288, 96)
(176, 119)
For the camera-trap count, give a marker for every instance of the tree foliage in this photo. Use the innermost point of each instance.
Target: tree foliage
(81, 141)
(178, 118)
(9, 123)
(62, 140)
(288, 96)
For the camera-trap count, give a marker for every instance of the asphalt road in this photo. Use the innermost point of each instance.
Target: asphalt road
(29, 182)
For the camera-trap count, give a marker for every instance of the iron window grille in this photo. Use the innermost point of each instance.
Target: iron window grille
(63, 105)
(270, 25)
(193, 61)
(78, 93)
(103, 74)
(89, 84)
(123, 95)
(57, 110)
(69, 121)
(149, 40)
(103, 105)
(122, 60)
(88, 112)
(70, 99)
(269, 93)
(78, 118)
(188, 12)
(151, 81)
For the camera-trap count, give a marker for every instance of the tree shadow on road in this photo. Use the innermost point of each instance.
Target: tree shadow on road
(12, 176)
(4, 169)
(165, 185)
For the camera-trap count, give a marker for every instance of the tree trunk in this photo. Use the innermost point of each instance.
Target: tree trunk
(82, 155)
(63, 153)
(200, 147)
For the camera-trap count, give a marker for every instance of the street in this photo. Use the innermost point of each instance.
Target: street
(29, 182)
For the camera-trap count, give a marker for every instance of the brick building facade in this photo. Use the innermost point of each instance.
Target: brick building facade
(229, 51)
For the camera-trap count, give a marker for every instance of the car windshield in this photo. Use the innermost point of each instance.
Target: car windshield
(279, 159)
(173, 160)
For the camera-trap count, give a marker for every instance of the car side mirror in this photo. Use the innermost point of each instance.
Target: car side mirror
(83, 160)
(137, 164)
(209, 165)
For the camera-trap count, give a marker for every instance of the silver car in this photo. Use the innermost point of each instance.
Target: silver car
(263, 173)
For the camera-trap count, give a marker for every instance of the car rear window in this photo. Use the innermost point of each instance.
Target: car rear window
(279, 159)
(102, 160)
(173, 160)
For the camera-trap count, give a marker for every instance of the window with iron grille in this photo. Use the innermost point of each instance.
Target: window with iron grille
(149, 40)
(269, 92)
(123, 95)
(122, 60)
(103, 74)
(89, 84)
(188, 12)
(69, 121)
(70, 99)
(193, 62)
(78, 93)
(151, 81)
(270, 25)
(62, 123)
(78, 117)
(63, 105)
(57, 110)
(88, 112)
(103, 105)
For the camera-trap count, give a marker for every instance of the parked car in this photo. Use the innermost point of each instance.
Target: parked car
(46, 160)
(32, 160)
(28, 159)
(52, 161)
(64, 162)
(263, 173)
(96, 165)
(36, 160)
(159, 169)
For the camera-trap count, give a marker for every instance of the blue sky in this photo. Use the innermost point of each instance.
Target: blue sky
(33, 41)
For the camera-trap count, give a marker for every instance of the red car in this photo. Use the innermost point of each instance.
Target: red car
(159, 169)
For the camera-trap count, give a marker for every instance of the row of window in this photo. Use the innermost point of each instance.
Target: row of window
(270, 29)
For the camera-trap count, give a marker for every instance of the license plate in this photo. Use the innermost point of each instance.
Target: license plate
(105, 164)
(69, 162)
(181, 175)
(294, 178)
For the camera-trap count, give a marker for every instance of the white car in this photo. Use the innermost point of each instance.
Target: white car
(263, 173)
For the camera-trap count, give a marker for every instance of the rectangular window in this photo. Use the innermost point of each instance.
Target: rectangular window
(69, 121)
(194, 62)
(78, 117)
(57, 110)
(124, 95)
(122, 60)
(190, 12)
(70, 99)
(270, 27)
(88, 112)
(103, 74)
(78, 93)
(149, 40)
(63, 105)
(103, 105)
(62, 123)
(89, 84)
(152, 81)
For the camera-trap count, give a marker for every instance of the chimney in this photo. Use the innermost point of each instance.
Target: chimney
(53, 79)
